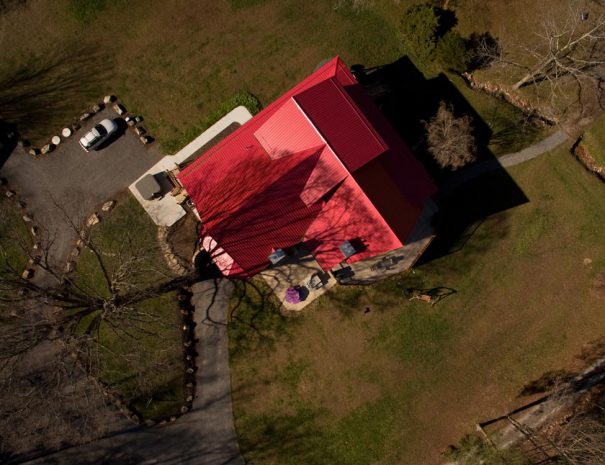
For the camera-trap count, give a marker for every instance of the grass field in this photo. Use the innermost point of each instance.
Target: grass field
(142, 357)
(400, 383)
(14, 236)
(594, 139)
(216, 49)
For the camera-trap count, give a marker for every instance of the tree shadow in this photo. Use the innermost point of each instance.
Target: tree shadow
(41, 92)
(8, 140)
(466, 197)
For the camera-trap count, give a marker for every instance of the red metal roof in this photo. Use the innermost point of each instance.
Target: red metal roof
(289, 175)
(341, 124)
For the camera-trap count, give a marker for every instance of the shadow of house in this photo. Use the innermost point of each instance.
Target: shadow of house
(407, 99)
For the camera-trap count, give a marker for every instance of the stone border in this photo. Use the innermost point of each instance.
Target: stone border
(581, 152)
(28, 219)
(187, 325)
(174, 262)
(505, 94)
(69, 130)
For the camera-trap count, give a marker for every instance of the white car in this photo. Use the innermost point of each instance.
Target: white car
(99, 134)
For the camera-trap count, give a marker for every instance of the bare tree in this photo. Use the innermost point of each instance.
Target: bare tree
(573, 46)
(50, 330)
(450, 138)
(582, 438)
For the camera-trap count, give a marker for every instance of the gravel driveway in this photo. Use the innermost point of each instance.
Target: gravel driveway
(78, 181)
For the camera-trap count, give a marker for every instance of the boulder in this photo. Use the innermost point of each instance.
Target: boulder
(119, 109)
(47, 149)
(139, 131)
(96, 108)
(146, 139)
(66, 132)
(27, 218)
(108, 99)
(27, 274)
(21, 204)
(34, 152)
(9, 193)
(85, 116)
(107, 206)
(93, 219)
(56, 140)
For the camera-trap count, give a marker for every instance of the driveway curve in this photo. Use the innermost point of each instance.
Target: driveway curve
(204, 436)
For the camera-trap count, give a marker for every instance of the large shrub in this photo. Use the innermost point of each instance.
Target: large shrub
(419, 27)
(453, 53)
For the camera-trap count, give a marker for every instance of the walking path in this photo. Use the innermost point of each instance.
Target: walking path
(506, 161)
(205, 435)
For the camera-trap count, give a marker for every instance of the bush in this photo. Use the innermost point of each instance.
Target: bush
(453, 53)
(419, 28)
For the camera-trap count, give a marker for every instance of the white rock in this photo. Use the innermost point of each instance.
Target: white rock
(56, 140)
(93, 219)
(27, 274)
(107, 206)
(66, 132)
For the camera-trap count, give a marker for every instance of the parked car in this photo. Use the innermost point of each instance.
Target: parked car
(99, 134)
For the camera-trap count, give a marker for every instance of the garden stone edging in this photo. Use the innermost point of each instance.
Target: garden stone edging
(187, 325)
(583, 155)
(70, 130)
(502, 92)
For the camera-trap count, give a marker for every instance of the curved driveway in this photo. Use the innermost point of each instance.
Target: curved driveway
(204, 436)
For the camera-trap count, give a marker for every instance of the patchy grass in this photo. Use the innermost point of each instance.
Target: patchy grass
(245, 99)
(594, 139)
(215, 52)
(15, 238)
(402, 382)
(141, 357)
(510, 128)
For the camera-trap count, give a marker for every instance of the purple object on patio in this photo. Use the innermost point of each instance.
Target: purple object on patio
(292, 295)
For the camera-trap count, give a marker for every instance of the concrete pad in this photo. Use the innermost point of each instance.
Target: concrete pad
(165, 211)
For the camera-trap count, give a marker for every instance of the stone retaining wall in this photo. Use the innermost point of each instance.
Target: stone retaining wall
(510, 97)
(583, 155)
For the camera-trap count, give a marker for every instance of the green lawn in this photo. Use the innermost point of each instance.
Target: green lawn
(15, 238)
(139, 356)
(594, 140)
(216, 51)
(402, 382)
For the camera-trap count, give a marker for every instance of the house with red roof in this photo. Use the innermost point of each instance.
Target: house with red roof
(319, 167)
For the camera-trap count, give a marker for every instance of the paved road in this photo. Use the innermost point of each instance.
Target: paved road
(205, 436)
(77, 180)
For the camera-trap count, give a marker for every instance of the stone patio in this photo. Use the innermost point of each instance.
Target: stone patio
(297, 272)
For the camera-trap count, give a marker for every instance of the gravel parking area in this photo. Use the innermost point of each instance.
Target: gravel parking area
(77, 181)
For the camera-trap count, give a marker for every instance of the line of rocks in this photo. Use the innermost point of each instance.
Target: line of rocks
(505, 94)
(70, 129)
(583, 155)
(186, 310)
(28, 219)
(179, 266)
